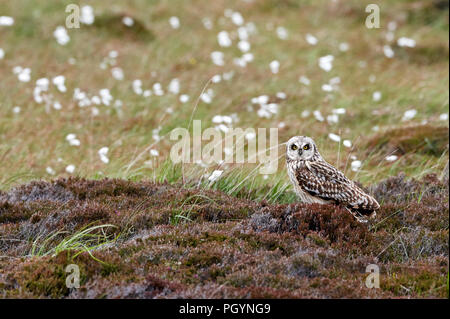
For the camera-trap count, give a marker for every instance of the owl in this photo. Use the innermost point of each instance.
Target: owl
(316, 181)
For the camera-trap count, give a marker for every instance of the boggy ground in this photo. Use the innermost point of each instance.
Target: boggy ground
(172, 242)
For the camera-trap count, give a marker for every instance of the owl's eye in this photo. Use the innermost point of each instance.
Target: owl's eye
(294, 147)
(306, 147)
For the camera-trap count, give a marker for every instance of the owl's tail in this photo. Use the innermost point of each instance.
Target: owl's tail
(365, 208)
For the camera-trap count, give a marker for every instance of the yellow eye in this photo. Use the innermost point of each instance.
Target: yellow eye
(306, 147)
(294, 147)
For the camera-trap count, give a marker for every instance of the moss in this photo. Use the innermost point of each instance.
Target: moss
(46, 278)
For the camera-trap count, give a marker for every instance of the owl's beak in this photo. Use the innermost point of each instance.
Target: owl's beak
(300, 151)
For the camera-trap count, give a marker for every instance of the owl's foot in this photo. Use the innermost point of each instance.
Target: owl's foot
(360, 218)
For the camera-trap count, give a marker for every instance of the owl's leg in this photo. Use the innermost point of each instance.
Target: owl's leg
(360, 218)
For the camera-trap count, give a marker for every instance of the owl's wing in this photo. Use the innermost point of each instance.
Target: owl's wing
(326, 182)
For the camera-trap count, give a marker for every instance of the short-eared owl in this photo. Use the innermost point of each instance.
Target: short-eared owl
(316, 181)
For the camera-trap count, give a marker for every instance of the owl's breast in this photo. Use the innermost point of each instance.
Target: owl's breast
(304, 196)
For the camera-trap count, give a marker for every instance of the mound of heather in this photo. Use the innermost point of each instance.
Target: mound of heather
(173, 242)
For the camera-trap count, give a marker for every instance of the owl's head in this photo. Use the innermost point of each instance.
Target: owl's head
(301, 148)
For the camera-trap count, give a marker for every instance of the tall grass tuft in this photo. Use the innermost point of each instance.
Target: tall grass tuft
(86, 240)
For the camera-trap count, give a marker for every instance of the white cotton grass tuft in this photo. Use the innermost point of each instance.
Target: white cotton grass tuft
(332, 85)
(318, 116)
(6, 21)
(281, 95)
(16, 109)
(305, 113)
(113, 54)
(157, 89)
(217, 58)
(216, 78)
(2, 53)
(207, 23)
(72, 139)
(274, 66)
(408, 115)
(443, 117)
(347, 143)
(391, 158)
(184, 98)
(332, 118)
(57, 105)
(50, 170)
(23, 74)
(406, 42)
(210, 93)
(388, 52)
(222, 119)
(117, 73)
(154, 153)
(105, 96)
(282, 33)
(174, 86)
(327, 87)
(206, 97)
(224, 39)
(228, 75)
(340, 110)
(102, 153)
(128, 21)
(334, 137)
(326, 62)
(215, 175)
(174, 22)
(376, 96)
(155, 133)
(304, 80)
(95, 111)
(237, 18)
(61, 35)
(137, 87)
(248, 57)
(59, 82)
(87, 15)
(244, 46)
(250, 136)
(311, 39)
(222, 128)
(356, 165)
(70, 168)
(243, 33)
(266, 109)
(344, 47)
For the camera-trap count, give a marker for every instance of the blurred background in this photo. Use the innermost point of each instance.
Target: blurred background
(100, 100)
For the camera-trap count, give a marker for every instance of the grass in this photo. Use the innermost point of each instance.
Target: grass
(154, 209)
(128, 131)
(86, 240)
